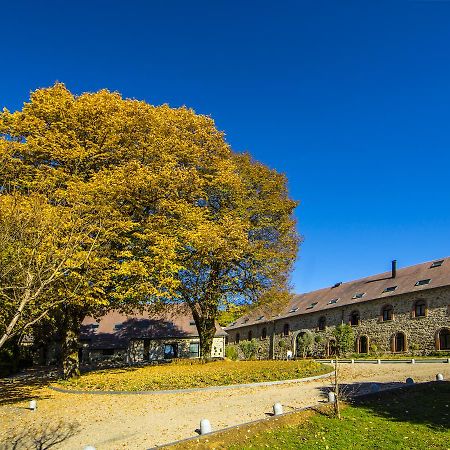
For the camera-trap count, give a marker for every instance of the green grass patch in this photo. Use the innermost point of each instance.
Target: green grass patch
(181, 376)
(417, 417)
(396, 356)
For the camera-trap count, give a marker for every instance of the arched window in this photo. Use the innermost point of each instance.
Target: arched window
(387, 313)
(363, 344)
(322, 323)
(250, 335)
(264, 333)
(238, 337)
(420, 308)
(399, 342)
(354, 318)
(443, 340)
(286, 329)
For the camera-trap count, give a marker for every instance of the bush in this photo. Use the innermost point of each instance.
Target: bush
(306, 342)
(231, 352)
(345, 339)
(249, 348)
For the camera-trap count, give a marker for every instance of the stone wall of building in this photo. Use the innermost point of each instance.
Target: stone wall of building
(420, 333)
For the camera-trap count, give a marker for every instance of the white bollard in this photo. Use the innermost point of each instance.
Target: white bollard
(448, 360)
(205, 426)
(409, 381)
(353, 361)
(33, 405)
(374, 387)
(277, 409)
(439, 377)
(89, 447)
(378, 361)
(331, 397)
(413, 361)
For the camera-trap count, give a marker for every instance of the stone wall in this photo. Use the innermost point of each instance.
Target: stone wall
(420, 333)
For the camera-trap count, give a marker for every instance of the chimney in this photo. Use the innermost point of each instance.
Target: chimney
(394, 268)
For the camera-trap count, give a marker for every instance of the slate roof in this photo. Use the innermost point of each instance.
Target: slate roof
(115, 330)
(372, 287)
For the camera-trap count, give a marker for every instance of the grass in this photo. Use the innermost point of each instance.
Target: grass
(180, 376)
(396, 356)
(410, 418)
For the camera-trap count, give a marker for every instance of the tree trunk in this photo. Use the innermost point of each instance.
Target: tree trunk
(69, 345)
(207, 331)
(206, 328)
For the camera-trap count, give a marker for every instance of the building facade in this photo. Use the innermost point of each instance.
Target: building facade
(138, 338)
(405, 311)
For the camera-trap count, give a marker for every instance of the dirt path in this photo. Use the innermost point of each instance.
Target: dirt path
(143, 421)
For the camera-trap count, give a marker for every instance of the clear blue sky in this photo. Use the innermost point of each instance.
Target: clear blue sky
(351, 99)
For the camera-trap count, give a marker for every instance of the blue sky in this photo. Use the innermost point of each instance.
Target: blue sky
(351, 99)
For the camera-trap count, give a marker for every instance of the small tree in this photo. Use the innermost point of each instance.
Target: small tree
(345, 339)
(305, 343)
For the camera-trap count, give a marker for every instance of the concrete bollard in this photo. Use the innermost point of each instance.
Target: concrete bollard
(33, 405)
(448, 360)
(374, 387)
(353, 361)
(439, 377)
(409, 381)
(413, 361)
(277, 409)
(378, 361)
(331, 397)
(205, 426)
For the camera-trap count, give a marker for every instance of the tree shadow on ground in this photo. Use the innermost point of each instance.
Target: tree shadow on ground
(41, 437)
(25, 386)
(425, 403)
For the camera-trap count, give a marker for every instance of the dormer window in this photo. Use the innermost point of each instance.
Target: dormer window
(436, 264)
(359, 295)
(260, 318)
(311, 306)
(293, 310)
(245, 320)
(118, 326)
(333, 301)
(390, 289)
(192, 323)
(423, 282)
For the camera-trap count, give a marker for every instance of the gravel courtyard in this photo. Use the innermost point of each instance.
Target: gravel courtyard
(143, 421)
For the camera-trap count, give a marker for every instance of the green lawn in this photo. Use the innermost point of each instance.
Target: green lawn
(411, 418)
(180, 376)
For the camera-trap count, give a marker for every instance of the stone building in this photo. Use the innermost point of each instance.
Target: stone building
(144, 337)
(402, 311)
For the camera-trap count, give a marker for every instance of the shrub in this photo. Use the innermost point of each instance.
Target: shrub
(249, 348)
(231, 352)
(345, 339)
(305, 343)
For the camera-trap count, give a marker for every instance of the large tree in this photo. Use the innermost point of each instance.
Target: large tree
(43, 250)
(185, 219)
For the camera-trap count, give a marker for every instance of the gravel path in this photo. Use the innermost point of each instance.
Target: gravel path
(143, 421)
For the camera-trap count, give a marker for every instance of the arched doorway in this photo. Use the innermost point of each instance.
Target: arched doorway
(399, 342)
(363, 344)
(443, 339)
